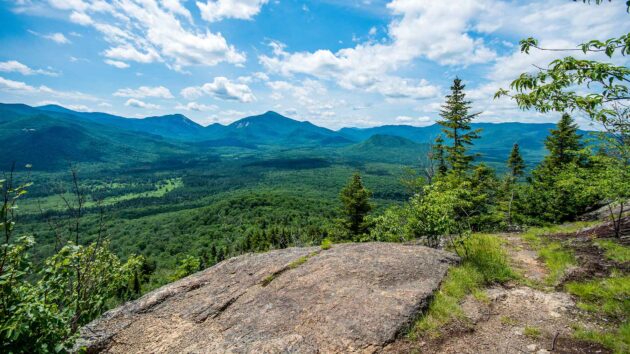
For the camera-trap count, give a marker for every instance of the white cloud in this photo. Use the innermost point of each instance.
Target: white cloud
(57, 38)
(350, 71)
(132, 102)
(16, 66)
(74, 107)
(197, 107)
(116, 63)
(131, 53)
(69, 4)
(176, 7)
(417, 121)
(221, 88)
(437, 31)
(145, 91)
(216, 10)
(81, 18)
(19, 87)
(150, 31)
(257, 76)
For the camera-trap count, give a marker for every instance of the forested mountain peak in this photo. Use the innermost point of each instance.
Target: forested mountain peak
(270, 119)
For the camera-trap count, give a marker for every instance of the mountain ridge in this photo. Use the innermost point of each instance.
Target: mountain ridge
(161, 136)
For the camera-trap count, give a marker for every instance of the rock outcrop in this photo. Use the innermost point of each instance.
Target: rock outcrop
(350, 298)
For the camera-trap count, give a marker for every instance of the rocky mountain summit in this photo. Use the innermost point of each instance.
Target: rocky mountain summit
(349, 298)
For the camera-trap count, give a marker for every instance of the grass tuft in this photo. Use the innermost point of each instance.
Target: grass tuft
(617, 340)
(268, 279)
(614, 251)
(508, 321)
(531, 331)
(610, 296)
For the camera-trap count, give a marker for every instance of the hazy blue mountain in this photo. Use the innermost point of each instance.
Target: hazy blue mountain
(386, 148)
(54, 139)
(272, 128)
(494, 145)
(417, 134)
(175, 126)
(49, 135)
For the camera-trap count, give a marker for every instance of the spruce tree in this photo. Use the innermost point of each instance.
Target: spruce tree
(438, 156)
(516, 163)
(563, 143)
(456, 121)
(356, 205)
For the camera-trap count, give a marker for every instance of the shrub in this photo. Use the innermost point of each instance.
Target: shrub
(326, 244)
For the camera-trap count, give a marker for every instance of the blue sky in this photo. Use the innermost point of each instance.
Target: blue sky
(335, 63)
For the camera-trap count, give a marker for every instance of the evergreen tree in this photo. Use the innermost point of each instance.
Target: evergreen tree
(516, 164)
(456, 121)
(563, 143)
(438, 156)
(356, 205)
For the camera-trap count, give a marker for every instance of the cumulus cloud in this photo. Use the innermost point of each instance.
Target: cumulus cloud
(417, 121)
(157, 34)
(74, 107)
(221, 88)
(20, 87)
(427, 29)
(145, 91)
(197, 107)
(216, 10)
(132, 102)
(57, 38)
(80, 18)
(116, 63)
(350, 70)
(16, 66)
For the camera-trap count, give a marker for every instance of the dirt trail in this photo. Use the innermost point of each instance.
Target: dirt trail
(524, 259)
(514, 318)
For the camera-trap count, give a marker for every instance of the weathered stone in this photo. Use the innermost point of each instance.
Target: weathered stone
(350, 298)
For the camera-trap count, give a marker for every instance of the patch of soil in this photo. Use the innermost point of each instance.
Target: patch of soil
(571, 345)
(516, 320)
(524, 259)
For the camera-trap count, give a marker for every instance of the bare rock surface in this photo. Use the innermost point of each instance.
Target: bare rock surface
(350, 298)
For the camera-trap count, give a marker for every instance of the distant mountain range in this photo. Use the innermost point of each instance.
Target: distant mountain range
(51, 136)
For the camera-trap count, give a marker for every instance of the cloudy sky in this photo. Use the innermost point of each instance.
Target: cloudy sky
(333, 62)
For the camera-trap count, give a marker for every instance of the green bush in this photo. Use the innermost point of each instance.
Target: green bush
(186, 267)
(326, 244)
(42, 312)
